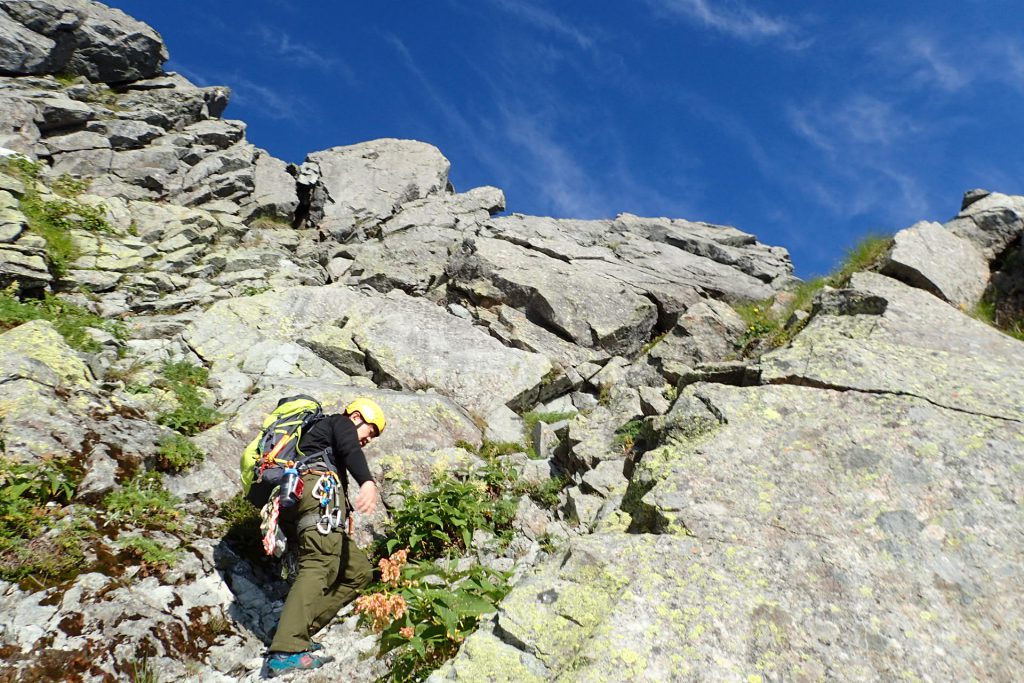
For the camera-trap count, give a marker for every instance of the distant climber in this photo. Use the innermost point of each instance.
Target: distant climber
(332, 568)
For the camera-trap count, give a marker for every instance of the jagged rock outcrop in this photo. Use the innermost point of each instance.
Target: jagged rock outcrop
(77, 37)
(843, 519)
(843, 508)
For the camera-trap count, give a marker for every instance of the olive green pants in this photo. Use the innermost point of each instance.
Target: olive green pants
(332, 570)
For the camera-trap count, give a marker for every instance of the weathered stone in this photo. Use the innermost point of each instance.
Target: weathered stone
(992, 223)
(61, 112)
(274, 190)
(18, 131)
(74, 142)
(919, 346)
(82, 37)
(125, 134)
(653, 401)
(575, 303)
(355, 188)
(413, 344)
(25, 266)
(928, 256)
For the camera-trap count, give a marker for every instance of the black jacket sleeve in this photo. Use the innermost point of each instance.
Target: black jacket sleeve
(339, 434)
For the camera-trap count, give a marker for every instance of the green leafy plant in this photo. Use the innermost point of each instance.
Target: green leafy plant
(191, 415)
(629, 434)
(425, 610)
(175, 453)
(442, 520)
(654, 341)
(37, 540)
(53, 219)
(253, 290)
(68, 187)
(69, 319)
(149, 551)
(143, 502)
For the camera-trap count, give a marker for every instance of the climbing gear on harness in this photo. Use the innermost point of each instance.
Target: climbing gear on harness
(331, 514)
(371, 412)
(274, 540)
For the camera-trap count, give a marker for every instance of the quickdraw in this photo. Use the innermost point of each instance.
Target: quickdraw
(332, 513)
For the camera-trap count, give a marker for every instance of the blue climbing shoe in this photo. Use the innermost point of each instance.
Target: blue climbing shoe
(280, 663)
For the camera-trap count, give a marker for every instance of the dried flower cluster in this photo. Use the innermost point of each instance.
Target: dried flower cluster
(391, 567)
(381, 608)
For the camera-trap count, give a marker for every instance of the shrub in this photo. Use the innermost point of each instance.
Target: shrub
(67, 318)
(242, 526)
(69, 187)
(191, 415)
(442, 520)
(53, 219)
(424, 611)
(143, 502)
(37, 539)
(175, 453)
(546, 494)
(629, 434)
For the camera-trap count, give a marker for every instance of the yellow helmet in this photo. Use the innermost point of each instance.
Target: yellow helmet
(371, 412)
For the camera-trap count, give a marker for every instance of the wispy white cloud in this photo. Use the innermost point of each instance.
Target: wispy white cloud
(857, 161)
(732, 17)
(271, 101)
(549, 166)
(546, 20)
(857, 120)
(943, 62)
(283, 46)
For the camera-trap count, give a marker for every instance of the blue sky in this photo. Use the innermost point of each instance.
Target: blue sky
(808, 124)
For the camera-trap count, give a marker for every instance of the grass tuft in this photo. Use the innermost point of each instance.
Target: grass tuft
(768, 329)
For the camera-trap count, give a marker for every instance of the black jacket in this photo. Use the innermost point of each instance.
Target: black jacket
(337, 433)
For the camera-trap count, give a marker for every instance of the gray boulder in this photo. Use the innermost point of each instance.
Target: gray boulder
(992, 222)
(274, 190)
(928, 256)
(78, 37)
(413, 344)
(353, 189)
(578, 303)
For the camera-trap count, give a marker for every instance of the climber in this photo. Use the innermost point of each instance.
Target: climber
(332, 569)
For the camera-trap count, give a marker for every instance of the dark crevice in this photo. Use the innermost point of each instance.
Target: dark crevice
(525, 244)
(799, 381)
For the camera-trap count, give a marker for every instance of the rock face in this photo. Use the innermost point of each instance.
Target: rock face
(77, 37)
(928, 256)
(844, 508)
(847, 523)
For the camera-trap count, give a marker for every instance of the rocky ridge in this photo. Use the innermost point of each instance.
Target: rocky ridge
(845, 507)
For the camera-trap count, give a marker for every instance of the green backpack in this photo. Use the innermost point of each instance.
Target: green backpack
(277, 446)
